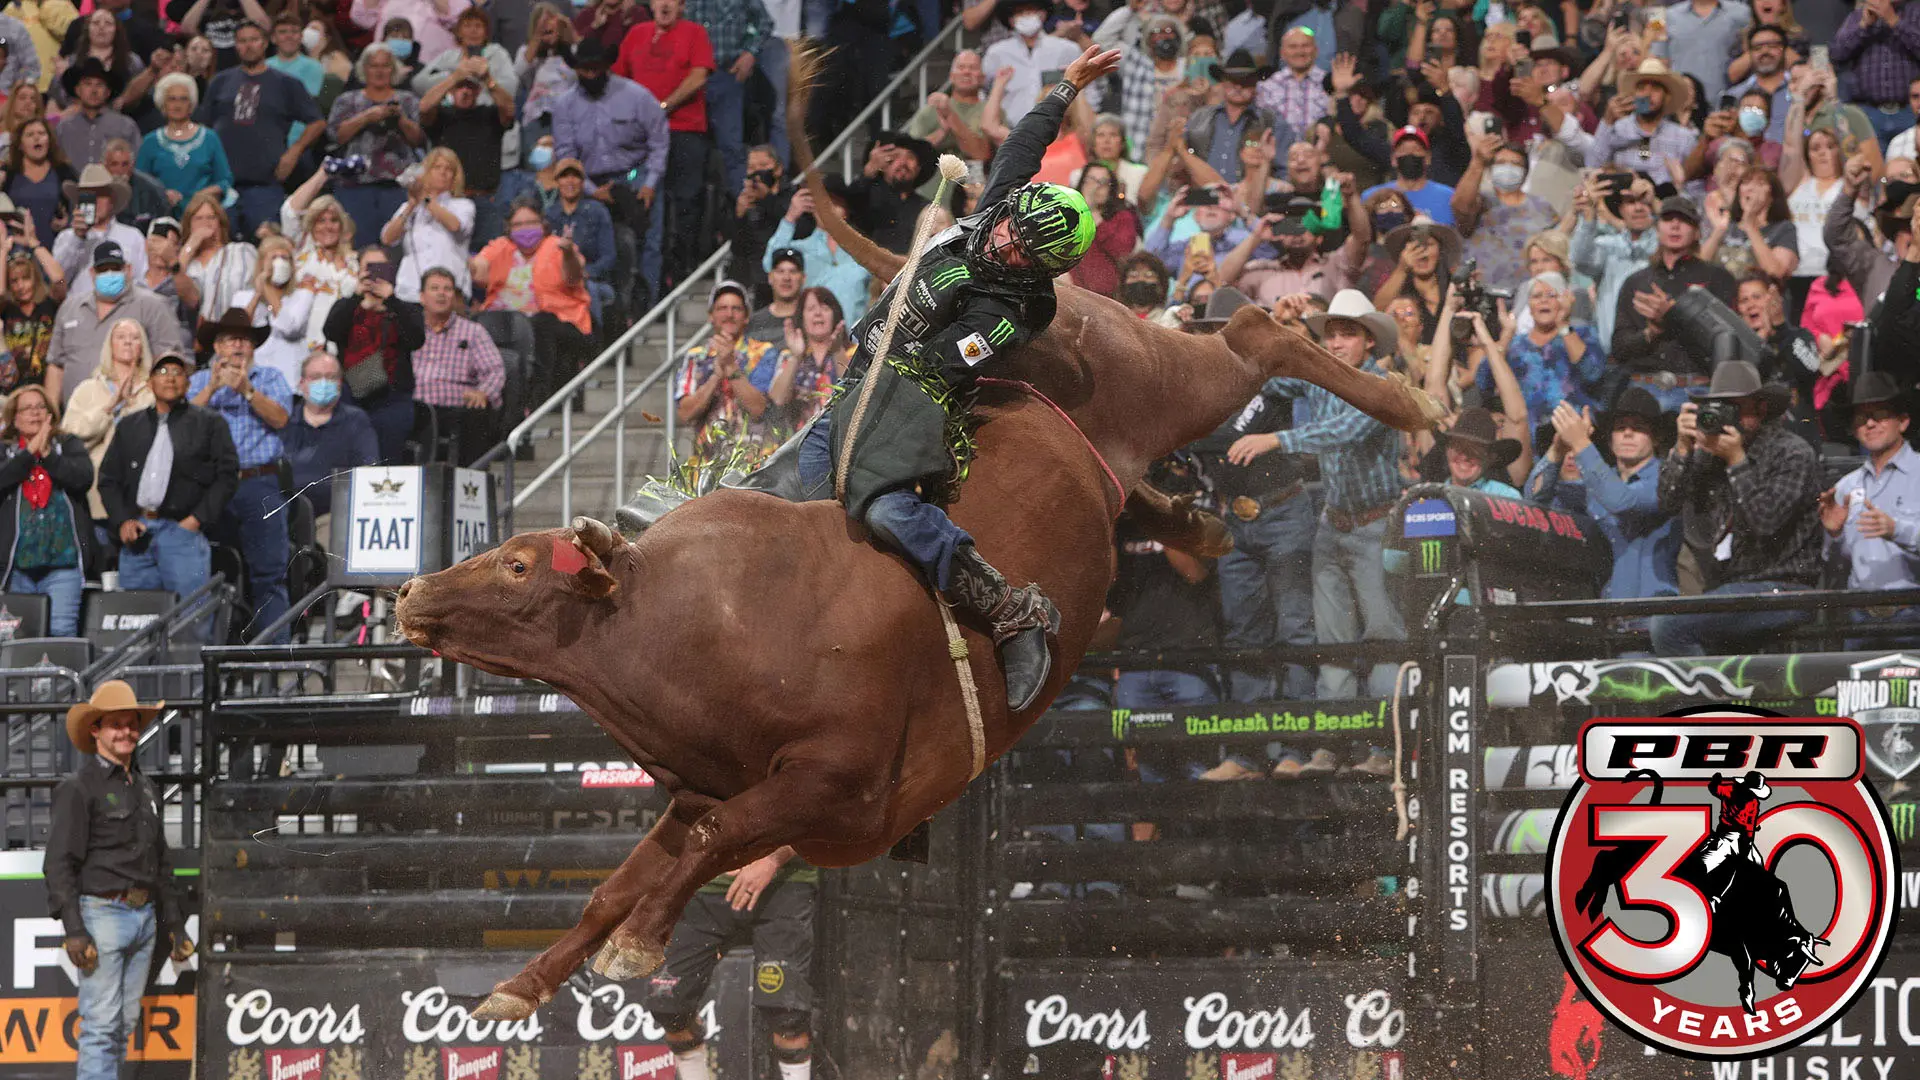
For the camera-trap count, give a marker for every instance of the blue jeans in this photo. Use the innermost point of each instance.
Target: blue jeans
(255, 521)
(62, 588)
(175, 558)
(259, 203)
(726, 122)
(773, 60)
(652, 245)
(1266, 594)
(901, 519)
(1863, 616)
(1351, 603)
(1721, 633)
(109, 1004)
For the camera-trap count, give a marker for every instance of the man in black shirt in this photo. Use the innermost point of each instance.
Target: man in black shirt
(457, 118)
(1642, 343)
(107, 871)
(885, 201)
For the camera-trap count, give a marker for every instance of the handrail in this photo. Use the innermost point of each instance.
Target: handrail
(624, 399)
(161, 627)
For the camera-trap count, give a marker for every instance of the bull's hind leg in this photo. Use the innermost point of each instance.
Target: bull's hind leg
(800, 802)
(518, 997)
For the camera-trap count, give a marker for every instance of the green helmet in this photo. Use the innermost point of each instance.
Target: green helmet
(1053, 223)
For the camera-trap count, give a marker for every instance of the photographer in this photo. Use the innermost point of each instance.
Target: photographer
(1614, 238)
(1641, 343)
(379, 124)
(470, 112)
(756, 214)
(1745, 489)
(95, 199)
(1424, 255)
(1497, 231)
(1215, 217)
(375, 338)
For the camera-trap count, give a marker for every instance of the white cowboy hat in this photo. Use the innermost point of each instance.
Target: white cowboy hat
(1353, 304)
(1655, 70)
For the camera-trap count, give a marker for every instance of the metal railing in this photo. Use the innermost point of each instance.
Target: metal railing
(624, 349)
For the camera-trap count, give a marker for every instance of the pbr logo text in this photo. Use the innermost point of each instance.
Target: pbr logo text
(1719, 879)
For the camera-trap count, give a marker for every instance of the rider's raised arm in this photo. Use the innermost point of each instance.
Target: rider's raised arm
(1020, 155)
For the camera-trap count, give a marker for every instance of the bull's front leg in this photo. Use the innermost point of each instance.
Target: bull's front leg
(518, 997)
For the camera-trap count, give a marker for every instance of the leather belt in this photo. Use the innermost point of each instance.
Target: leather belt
(1346, 522)
(1667, 380)
(135, 897)
(1246, 507)
(151, 515)
(271, 468)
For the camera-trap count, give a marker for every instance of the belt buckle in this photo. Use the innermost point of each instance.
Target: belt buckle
(136, 897)
(1889, 107)
(1245, 507)
(1665, 380)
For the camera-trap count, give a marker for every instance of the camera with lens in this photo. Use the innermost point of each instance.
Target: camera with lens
(348, 165)
(1474, 297)
(1715, 414)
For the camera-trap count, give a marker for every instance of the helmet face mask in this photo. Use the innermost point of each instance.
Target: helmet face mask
(1046, 227)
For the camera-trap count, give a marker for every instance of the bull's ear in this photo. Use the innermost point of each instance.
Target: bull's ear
(595, 582)
(590, 576)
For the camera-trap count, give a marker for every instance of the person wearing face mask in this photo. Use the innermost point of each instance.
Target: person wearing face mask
(1640, 132)
(433, 21)
(99, 196)
(620, 134)
(1497, 229)
(1283, 257)
(1412, 155)
(1148, 71)
(80, 328)
(325, 435)
(1028, 52)
(1767, 45)
(544, 278)
(1143, 285)
(278, 303)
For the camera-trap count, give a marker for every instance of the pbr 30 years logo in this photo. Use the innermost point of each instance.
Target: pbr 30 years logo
(1718, 881)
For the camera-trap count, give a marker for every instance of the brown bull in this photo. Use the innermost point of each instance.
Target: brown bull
(786, 682)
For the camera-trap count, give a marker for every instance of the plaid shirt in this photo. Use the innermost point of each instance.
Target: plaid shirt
(1766, 507)
(733, 26)
(253, 441)
(1622, 145)
(1141, 88)
(458, 357)
(1359, 456)
(1298, 99)
(1880, 57)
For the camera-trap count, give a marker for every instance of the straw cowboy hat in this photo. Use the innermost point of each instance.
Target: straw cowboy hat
(1449, 239)
(94, 180)
(1655, 70)
(1352, 304)
(1475, 427)
(109, 697)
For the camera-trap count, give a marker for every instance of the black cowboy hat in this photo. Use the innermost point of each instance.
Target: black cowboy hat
(1241, 67)
(91, 66)
(1636, 402)
(1220, 308)
(1003, 11)
(1475, 426)
(1877, 388)
(233, 321)
(589, 52)
(921, 149)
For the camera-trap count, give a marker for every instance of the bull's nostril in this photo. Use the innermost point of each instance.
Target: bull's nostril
(404, 587)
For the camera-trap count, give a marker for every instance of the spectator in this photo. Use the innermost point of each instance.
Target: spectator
(255, 401)
(1497, 230)
(1641, 130)
(291, 60)
(1549, 252)
(37, 169)
(435, 226)
(1765, 236)
(736, 30)
(380, 125)
(1283, 256)
(95, 198)
(818, 350)
(118, 387)
(375, 339)
(1477, 456)
(398, 39)
(433, 21)
(458, 369)
(1358, 463)
(473, 52)
(1211, 225)
(1767, 57)
(1412, 155)
(472, 115)
(26, 319)
(541, 64)
(252, 108)
(326, 435)
(1810, 170)
(104, 39)
(1216, 133)
(608, 21)
(1902, 145)
(542, 277)
(183, 156)
(616, 128)
(1555, 361)
(1620, 491)
(1641, 341)
(827, 264)
(1296, 94)
(321, 40)
(165, 277)
(1424, 255)
(1791, 356)
(1143, 284)
(952, 120)
(1148, 71)
(42, 25)
(1028, 51)
(756, 214)
(199, 59)
(586, 222)
(1879, 49)
(786, 279)
(44, 478)
(1110, 148)
(884, 202)
(324, 263)
(1613, 237)
(1864, 263)
(722, 392)
(219, 265)
(1872, 516)
(276, 301)
(1701, 35)
(149, 200)
(1746, 497)
(1166, 135)
(168, 471)
(671, 58)
(23, 103)
(1116, 230)
(218, 22)
(85, 317)
(85, 131)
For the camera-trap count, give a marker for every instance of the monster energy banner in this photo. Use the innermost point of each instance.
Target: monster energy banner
(1087, 727)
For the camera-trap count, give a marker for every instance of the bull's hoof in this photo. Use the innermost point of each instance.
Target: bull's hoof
(623, 961)
(501, 1005)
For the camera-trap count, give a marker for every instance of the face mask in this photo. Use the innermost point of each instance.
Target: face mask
(595, 86)
(1644, 106)
(1410, 166)
(281, 273)
(1028, 25)
(323, 392)
(400, 47)
(1140, 294)
(1201, 69)
(1753, 121)
(540, 157)
(528, 236)
(1165, 48)
(311, 39)
(110, 284)
(1507, 176)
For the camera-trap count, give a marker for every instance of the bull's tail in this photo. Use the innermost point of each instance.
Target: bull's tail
(808, 60)
(1659, 785)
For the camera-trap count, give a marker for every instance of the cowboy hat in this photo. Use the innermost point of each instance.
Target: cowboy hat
(1638, 403)
(1475, 426)
(1736, 379)
(1549, 48)
(232, 321)
(1875, 388)
(1353, 305)
(1003, 11)
(1448, 238)
(95, 178)
(91, 67)
(1220, 308)
(112, 696)
(1654, 70)
(1240, 67)
(922, 151)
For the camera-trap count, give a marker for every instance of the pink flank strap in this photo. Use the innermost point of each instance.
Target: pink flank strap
(1062, 413)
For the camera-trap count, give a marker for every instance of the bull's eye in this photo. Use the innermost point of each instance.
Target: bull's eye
(519, 568)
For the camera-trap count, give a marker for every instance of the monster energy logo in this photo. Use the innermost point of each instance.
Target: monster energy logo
(1120, 717)
(1903, 815)
(1430, 553)
(1853, 696)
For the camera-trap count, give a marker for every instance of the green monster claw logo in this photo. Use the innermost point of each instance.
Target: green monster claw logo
(1430, 554)
(1120, 717)
(1903, 818)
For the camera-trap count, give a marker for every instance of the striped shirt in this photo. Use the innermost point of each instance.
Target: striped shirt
(1141, 88)
(1300, 100)
(458, 357)
(1359, 456)
(1880, 58)
(253, 441)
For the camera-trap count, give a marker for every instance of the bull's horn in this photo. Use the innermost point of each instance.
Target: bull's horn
(595, 535)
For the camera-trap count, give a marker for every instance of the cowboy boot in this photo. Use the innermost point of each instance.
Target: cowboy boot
(1020, 620)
